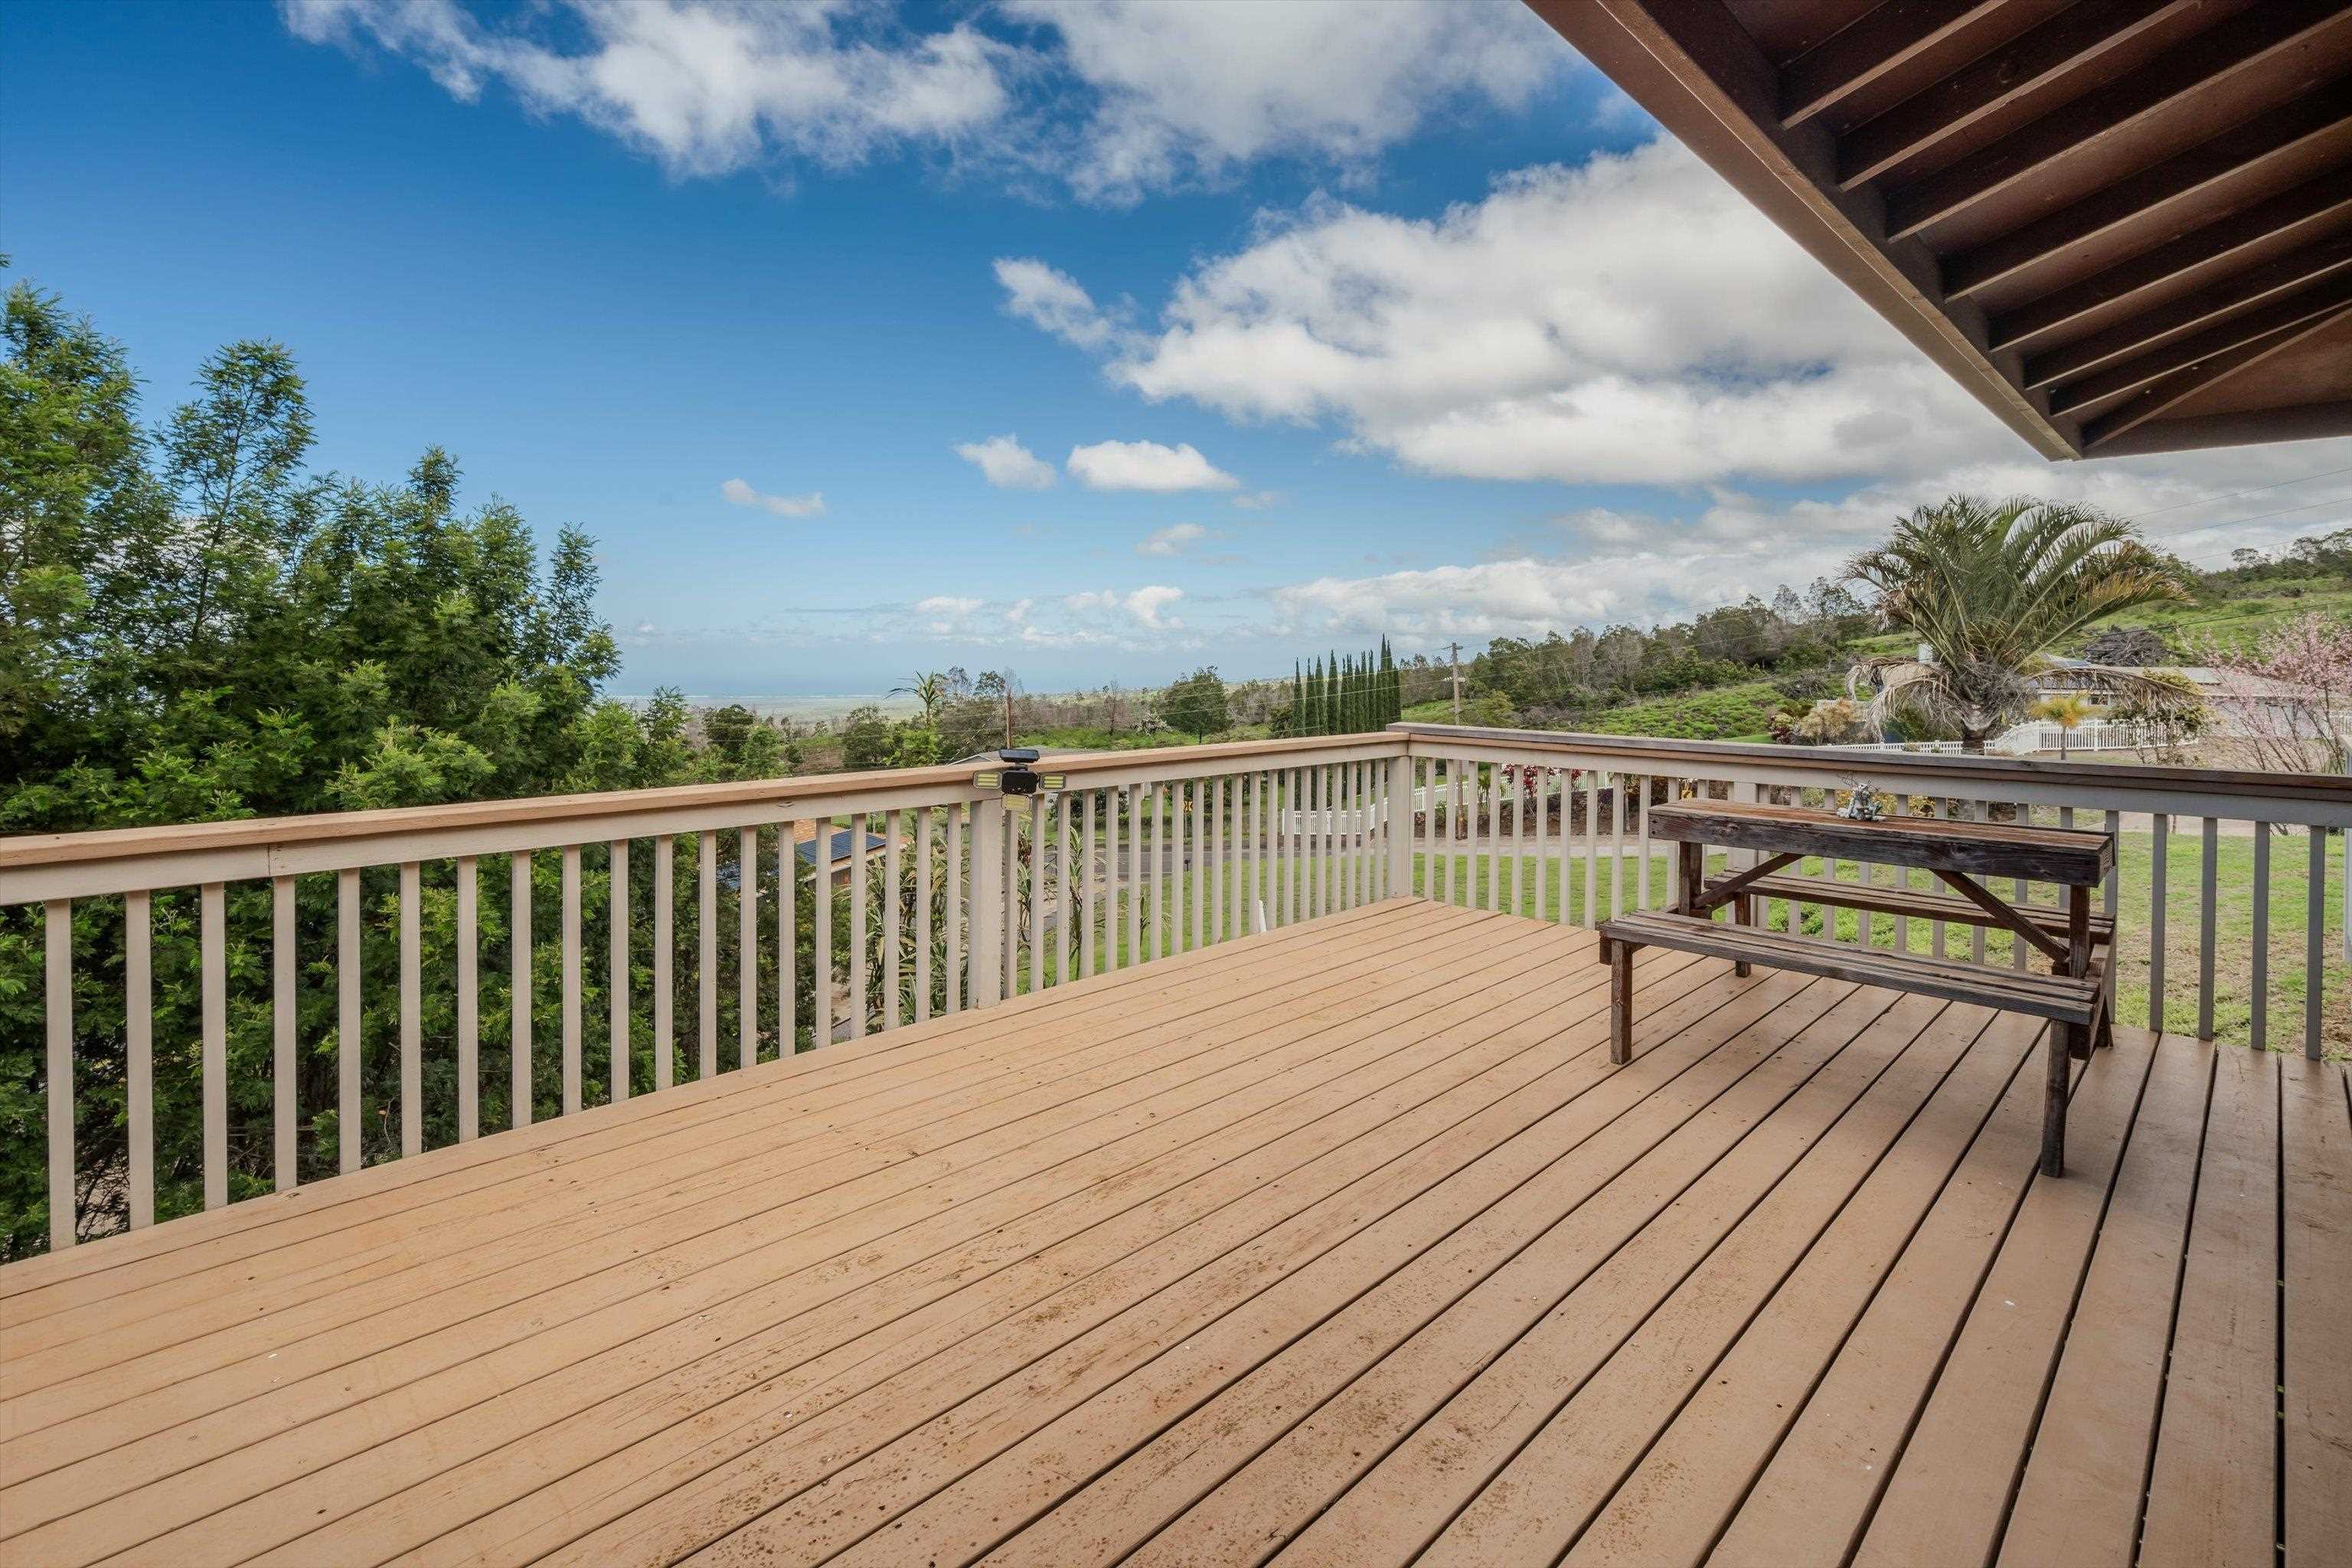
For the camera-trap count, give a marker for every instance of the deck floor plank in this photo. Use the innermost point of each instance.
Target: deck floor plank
(1559, 1224)
(2086, 1479)
(74, 1281)
(1819, 1486)
(915, 1085)
(1264, 1292)
(552, 1316)
(1322, 1109)
(2315, 1136)
(1005, 1131)
(1958, 1468)
(1567, 1394)
(1678, 1499)
(2211, 1491)
(1340, 1244)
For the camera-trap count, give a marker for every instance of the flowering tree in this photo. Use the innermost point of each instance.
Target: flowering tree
(2292, 690)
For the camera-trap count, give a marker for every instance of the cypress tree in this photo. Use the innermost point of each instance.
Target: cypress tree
(1331, 695)
(1298, 697)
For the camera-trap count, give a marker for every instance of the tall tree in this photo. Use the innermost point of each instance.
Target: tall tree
(1196, 704)
(193, 628)
(1988, 588)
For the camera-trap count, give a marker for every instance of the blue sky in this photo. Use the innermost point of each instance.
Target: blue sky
(1455, 348)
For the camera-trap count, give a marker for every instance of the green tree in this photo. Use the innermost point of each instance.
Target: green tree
(929, 687)
(2068, 710)
(1196, 704)
(196, 628)
(1988, 588)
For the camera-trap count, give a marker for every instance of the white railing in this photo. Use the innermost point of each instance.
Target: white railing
(1568, 858)
(2026, 739)
(678, 936)
(250, 1005)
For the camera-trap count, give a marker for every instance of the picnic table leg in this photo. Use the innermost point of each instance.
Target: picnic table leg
(1743, 912)
(1619, 955)
(2078, 963)
(2053, 1102)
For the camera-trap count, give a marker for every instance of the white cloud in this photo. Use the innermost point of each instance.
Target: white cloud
(1605, 566)
(1256, 500)
(742, 494)
(946, 614)
(1007, 463)
(1147, 465)
(1049, 297)
(1186, 91)
(1112, 98)
(1018, 611)
(1146, 604)
(1628, 320)
(703, 86)
(1172, 540)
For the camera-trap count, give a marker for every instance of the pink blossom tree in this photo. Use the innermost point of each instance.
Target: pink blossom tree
(2291, 692)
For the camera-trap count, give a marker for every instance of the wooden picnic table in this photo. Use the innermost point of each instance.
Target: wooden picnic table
(2072, 995)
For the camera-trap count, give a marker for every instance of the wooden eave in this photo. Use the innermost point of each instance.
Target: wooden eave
(2123, 226)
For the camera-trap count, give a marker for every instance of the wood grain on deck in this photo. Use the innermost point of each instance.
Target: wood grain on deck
(1343, 1245)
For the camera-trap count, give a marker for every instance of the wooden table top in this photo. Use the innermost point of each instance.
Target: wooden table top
(2070, 857)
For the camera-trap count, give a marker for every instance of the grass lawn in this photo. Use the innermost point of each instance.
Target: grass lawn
(1175, 926)
(2233, 937)
(2233, 924)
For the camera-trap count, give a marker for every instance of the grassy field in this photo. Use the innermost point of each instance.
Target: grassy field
(2233, 935)
(1717, 713)
(2233, 620)
(2233, 927)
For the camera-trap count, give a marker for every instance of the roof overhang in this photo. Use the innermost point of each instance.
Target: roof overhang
(2123, 226)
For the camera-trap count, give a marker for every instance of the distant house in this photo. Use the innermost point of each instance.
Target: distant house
(2231, 698)
(839, 846)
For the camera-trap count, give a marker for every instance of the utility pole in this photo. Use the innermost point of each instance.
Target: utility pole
(1454, 648)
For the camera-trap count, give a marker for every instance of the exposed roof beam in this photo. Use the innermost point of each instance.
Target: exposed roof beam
(2325, 298)
(2313, 122)
(2196, 66)
(2067, 42)
(2246, 289)
(1694, 65)
(2324, 200)
(2305, 422)
(1874, 44)
(2184, 383)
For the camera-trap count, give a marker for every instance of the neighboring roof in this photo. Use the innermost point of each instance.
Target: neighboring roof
(843, 839)
(2123, 226)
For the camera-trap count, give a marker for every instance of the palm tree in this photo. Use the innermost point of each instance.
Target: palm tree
(929, 687)
(2067, 709)
(1988, 588)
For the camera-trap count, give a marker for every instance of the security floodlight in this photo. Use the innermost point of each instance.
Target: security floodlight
(1017, 778)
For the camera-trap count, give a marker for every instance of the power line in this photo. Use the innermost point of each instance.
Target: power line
(2258, 490)
(2331, 500)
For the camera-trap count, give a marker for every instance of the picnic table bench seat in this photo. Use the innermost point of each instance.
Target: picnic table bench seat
(2058, 997)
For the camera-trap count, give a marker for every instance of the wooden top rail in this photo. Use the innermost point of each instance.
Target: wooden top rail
(2235, 792)
(41, 866)
(2065, 856)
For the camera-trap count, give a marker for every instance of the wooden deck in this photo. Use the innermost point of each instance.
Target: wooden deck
(1340, 1246)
